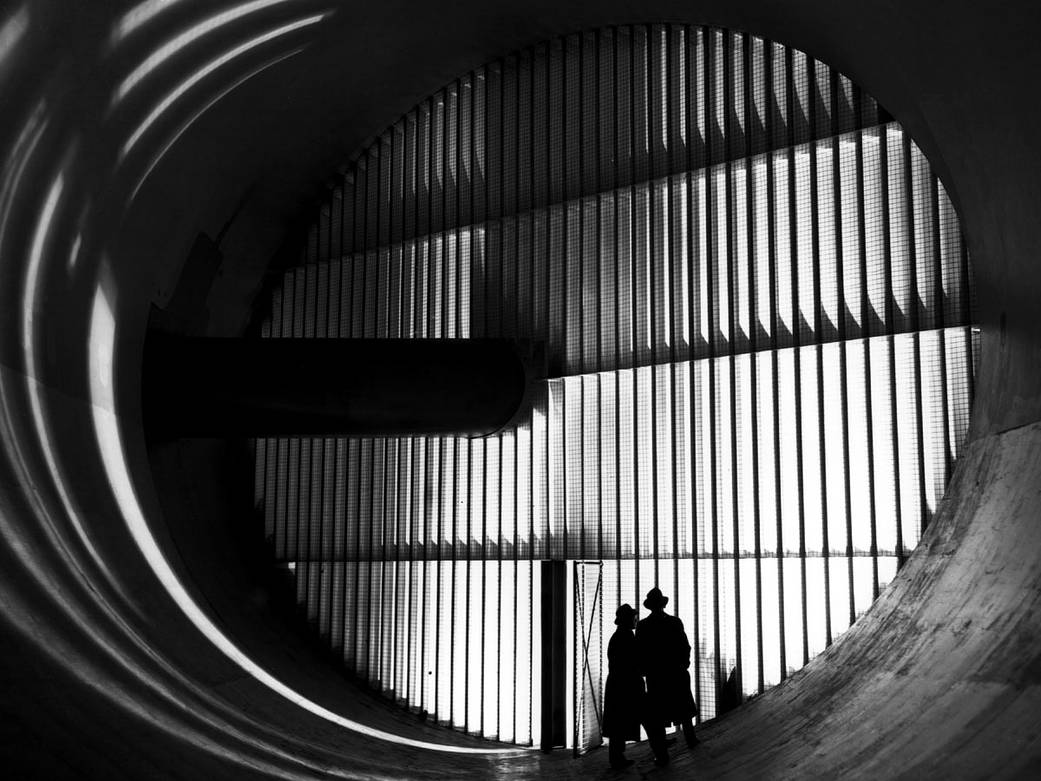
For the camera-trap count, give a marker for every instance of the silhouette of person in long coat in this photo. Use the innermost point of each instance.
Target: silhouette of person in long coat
(624, 692)
(664, 654)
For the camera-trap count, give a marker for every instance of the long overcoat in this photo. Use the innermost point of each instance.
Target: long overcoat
(664, 657)
(623, 692)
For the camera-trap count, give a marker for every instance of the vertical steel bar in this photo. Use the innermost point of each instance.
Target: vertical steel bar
(615, 66)
(671, 78)
(793, 254)
(730, 257)
(773, 133)
(691, 55)
(822, 474)
(711, 261)
(634, 314)
(941, 320)
(916, 303)
(575, 190)
(652, 434)
(890, 328)
(754, 346)
(836, 178)
(865, 320)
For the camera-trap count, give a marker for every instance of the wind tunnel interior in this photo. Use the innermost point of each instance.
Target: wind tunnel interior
(139, 639)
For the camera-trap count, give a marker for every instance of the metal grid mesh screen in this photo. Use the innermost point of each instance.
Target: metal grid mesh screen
(758, 311)
(588, 652)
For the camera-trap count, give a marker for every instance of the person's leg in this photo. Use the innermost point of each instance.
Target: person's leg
(656, 737)
(688, 733)
(616, 753)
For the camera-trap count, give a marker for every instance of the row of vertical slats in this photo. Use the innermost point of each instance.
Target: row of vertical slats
(590, 112)
(434, 635)
(757, 308)
(870, 395)
(703, 263)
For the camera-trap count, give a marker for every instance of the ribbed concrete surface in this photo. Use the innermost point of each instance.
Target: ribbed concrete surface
(102, 674)
(941, 678)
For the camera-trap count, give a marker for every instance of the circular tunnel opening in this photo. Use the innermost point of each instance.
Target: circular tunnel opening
(758, 317)
(106, 670)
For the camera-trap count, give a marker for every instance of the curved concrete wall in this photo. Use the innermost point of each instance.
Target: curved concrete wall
(108, 171)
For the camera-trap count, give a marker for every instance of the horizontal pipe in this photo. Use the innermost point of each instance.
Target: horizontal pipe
(215, 387)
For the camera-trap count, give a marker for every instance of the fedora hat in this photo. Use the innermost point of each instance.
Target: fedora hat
(655, 600)
(623, 616)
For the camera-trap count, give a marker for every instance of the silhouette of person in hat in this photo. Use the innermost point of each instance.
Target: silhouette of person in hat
(664, 655)
(623, 692)
(624, 701)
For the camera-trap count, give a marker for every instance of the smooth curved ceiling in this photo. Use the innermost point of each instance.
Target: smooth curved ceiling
(940, 679)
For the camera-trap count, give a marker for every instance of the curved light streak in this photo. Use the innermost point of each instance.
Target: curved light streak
(32, 275)
(175, 44)
(35, 570)
(138, 16)
(69, 657)
(206, 70)
(110, 444)
(14, 171)
(74, 251)
(39, 419)
(11, 33)
(210, 104)
(14, 167)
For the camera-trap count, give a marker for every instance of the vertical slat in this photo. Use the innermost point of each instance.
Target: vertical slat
(841, 254)
(866, 312)
(941, 320)
(650, 263)
(773, 133)
(925, 303)
(793, 111)
(731, 130)
(280, 476)
(288, 507)
(888, 187)
(637, 329)
(751, 216)
(816, 206)
(710, 260)
(694, 146)
(676, 265)
(272, 480)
